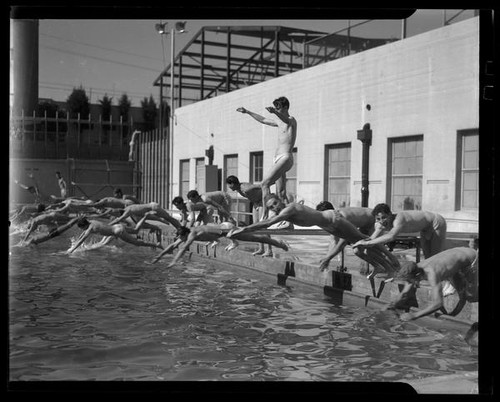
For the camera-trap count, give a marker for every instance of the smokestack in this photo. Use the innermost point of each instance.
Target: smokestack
(24, 59)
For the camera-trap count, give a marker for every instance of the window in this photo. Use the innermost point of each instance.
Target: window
(338, 171)
(230, 167)
(291, 179)
(405, 159)
(468, 170)
(199, 176)
(256, 167)
(184, 178)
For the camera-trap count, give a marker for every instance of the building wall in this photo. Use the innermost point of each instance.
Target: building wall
(424, 85)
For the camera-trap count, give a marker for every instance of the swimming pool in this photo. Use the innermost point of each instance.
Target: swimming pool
(107, 315)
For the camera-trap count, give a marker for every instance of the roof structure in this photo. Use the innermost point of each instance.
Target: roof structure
(221, 59)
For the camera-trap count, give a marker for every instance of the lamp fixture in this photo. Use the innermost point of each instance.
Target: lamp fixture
(161, 28)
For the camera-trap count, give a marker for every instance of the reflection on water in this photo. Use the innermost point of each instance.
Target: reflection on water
(106, 315)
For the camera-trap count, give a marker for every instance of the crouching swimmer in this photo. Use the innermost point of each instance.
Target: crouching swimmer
(455, 265)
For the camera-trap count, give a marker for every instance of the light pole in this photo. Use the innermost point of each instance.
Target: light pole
(162, 30)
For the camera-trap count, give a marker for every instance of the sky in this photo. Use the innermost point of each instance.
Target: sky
(116, 56)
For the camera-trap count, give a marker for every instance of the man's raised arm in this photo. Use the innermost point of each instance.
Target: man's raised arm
(258, 117)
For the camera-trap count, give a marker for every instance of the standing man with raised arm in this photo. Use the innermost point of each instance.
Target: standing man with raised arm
(283, 157)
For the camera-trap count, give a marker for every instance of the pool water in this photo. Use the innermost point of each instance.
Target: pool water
(107, 314)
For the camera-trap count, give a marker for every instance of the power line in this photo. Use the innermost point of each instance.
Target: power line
(99, 58)
(101, 47)
(54, 85)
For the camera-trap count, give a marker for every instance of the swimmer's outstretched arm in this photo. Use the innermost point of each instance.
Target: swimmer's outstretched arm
(80, 240)
(191, 238)
(283, 216)
(335, 248)
(266, 239)
(383, 239)
(139, 224)
(105, 240)
(124, 216)
(31, 228)
(436, 303)
(53, 233)
(396, 302)
(170, 247)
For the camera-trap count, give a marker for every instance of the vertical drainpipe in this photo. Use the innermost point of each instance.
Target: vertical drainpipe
(365, 136)
(277, 50)
(202, 73)
(228, 65)
(179, 94)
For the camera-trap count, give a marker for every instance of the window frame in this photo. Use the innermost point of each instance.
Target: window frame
(327, 176)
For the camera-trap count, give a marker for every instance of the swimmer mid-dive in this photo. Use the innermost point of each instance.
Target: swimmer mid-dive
(330, 221)
(252, 192)
(212, 233)
(51, 234)
(50, 219)
(219, 200)
(152, 210)
(361, 218)
(118, 231)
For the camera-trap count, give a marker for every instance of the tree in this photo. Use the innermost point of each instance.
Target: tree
(106, 107)
(149, 112)
(46, 107)
(124, 105)
(78, 102)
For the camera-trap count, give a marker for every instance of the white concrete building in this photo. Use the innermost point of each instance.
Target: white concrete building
(423, 94)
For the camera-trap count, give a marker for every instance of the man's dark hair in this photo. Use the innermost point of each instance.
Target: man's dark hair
(178, 200)
(118, 191)
(83, 223)
(270, 196)
(232, 180)
(324, 205)
(182, 231)
(384, 208)
(192, 194)
(409, 272)
(281, 102)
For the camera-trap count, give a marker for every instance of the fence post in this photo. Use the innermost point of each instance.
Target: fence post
(57, 134)
(110, 131)
(23, 133)
(120, 134)
(34, 134)
(45, 133)
(89, 134)
(67, 134)
(99, 135)
(78, 137)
